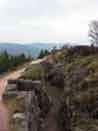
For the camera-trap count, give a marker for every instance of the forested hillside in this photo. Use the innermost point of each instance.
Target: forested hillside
(29, 49)
(8, 61)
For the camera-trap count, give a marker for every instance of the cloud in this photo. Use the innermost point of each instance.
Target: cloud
(46, 20)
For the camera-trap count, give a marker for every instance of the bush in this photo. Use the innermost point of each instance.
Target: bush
(34, 72)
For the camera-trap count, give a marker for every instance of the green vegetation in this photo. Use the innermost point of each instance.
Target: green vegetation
(8, 62)
(43, 53)
(33, 72)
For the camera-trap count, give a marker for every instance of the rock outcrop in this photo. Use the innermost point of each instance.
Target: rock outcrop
(36, 104)
(71, 81)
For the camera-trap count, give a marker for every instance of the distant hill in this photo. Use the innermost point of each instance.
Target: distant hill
(27, 49)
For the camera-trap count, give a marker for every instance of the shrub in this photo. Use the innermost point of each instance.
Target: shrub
(34, 72)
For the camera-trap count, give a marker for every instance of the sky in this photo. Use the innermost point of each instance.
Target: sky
(46, 20)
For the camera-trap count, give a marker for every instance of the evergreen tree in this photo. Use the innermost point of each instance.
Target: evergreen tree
(43, 53)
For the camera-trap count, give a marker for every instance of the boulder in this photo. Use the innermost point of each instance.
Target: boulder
(18, 115)
(27, 85)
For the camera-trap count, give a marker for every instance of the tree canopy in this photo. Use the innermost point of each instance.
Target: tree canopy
(8, 61)
(43, 53)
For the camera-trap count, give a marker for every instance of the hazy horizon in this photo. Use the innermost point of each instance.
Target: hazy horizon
(46, 21)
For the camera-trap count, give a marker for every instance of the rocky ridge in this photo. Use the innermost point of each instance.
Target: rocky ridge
(70, 82)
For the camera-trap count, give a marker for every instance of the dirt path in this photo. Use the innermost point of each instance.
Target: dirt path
(3, 82)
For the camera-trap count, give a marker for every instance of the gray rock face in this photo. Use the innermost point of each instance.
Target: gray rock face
(37, 105)
(56, 76)
(32, 111)
(10, 91)
(14, 86)
(81, 99)
(72, 81)
(28, 85)
(19, 122)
